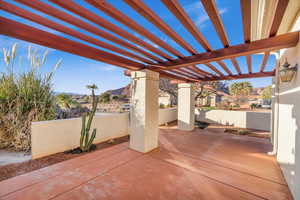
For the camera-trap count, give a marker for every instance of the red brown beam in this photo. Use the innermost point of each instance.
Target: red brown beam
(52, 11)
(199, 71)
(223, 65)
(212, 11)
(277, 18)
(181, 15)
(146, 12)
(87, 14)
(269, 44)
(107, 8)
(213, 68)
(249, 64)
(63, 29)
(24, 32)
(246, 18)
(264, 61)
(242, 76)
(236, 65)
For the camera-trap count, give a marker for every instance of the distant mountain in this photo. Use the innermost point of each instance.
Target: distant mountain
(120, 91)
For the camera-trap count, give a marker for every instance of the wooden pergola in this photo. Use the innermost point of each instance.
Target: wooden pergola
(136, 53)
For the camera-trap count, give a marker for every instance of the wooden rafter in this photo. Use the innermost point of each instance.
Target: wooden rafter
(87, 14)
(246, 19)
(181, 15)
(63, 29)
(269, 44)
(249, 64)
(264, 61)
(223, 65)
(185, 73)
(52, 11)
(241, 76)
(277, 18)
(107, 8)
(34, 35)
(236, 65)
(213, 68)
(146, 12)
(213, 13)
(199, 71)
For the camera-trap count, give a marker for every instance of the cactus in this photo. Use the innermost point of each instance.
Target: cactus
(86, 140)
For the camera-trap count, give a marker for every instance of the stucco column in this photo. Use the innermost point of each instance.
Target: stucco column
(144, 111)
(186, 107)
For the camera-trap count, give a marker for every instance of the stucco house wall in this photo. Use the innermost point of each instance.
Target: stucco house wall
(287, 116)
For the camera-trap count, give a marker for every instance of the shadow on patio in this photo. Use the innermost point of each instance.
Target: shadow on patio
(203, 164)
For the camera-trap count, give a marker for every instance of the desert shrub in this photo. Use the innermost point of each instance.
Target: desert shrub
(25, 97)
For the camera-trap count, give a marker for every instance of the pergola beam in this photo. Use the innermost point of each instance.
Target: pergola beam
(246, 19)
(213, 68)
(242, 76)
(264, 61)
(213, 13)
(52, 11)
(24, 32)
(87, 14)
(107, 8)
(185, 20)
(223, 65)
(147, 13)
(269, 44)
(249, 64)
(278, 15)
(63, 29)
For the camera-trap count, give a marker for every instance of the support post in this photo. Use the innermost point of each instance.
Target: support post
(144, 111)
(186, 107)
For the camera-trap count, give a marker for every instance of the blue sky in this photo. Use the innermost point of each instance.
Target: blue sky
(76, 72)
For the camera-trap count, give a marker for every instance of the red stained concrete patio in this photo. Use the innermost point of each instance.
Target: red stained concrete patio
(188, 165)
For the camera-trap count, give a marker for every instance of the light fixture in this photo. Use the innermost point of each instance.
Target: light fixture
(287, 72)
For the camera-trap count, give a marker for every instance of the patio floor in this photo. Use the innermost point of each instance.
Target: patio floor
(188, 165)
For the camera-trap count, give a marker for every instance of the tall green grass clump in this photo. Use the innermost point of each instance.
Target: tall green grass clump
(24, 97)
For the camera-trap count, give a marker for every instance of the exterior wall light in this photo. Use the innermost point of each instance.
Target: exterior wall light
(287, 72)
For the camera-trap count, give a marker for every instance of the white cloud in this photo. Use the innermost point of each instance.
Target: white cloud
(102, 67)
(198, 14)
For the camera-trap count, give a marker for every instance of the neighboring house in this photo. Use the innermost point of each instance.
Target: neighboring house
(213, 99)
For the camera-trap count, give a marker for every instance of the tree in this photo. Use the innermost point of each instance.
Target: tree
(66, 101)
(241, 88)
(205, 89)
(166, 86)
(105, 97)
(267, 93)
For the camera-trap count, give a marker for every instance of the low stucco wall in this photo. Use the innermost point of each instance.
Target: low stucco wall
(49, 137)
(167, 115)
(242, 119)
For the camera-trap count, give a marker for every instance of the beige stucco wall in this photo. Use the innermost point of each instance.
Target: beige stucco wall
(242, 119)
(167, 115)
(54, 136)
(49, 137)
(288, 113)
